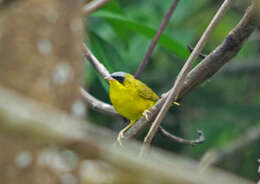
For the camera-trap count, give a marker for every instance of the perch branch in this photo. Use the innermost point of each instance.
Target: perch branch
(98, 105)
(108, 109)
(156, 38)
(176, 89)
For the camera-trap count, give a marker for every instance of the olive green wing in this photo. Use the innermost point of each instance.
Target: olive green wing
(145, 92)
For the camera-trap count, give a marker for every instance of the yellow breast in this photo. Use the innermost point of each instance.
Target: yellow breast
(127, 102)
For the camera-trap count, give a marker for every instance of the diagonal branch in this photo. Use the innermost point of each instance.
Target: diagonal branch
(176, 89)
(156, 38)
(224, 52)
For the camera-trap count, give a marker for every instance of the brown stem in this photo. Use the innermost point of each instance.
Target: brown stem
(155, 39)
(172, 137)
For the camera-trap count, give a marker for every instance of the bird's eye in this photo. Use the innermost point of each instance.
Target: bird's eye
(119, 79)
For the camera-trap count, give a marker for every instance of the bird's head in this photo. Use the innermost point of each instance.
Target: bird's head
(120, 78)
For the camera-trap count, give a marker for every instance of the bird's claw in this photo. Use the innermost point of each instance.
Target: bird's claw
(146, 114)
(119, 137)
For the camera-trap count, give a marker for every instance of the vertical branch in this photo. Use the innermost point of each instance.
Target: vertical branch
(156, 38)
(175, 91)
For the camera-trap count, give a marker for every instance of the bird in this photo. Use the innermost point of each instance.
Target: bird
(130, 97)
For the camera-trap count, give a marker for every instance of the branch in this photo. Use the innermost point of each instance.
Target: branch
(200, 140)
(27, 120)
(98, 105)
(224, 52)
(176, 89)
(94, 61)
(209, 66)
(156, 38)
(93, 6)
(108, 109)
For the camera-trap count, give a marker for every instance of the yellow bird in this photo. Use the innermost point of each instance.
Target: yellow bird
(130, 97)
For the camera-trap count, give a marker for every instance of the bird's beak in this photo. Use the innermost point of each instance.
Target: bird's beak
(108, 78)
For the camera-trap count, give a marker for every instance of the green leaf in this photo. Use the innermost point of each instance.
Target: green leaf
(126, 24)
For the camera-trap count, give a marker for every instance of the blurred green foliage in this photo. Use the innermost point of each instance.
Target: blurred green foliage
(224, 107)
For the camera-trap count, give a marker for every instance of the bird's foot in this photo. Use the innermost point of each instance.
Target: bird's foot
(147, 115)
(120, 137)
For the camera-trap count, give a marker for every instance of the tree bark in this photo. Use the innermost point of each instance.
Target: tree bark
(40, 57)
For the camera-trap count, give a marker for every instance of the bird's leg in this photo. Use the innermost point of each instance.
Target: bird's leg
(146, 114)
(121, 133)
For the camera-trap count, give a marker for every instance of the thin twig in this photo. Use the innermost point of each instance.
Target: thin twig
(98, 105)
(94, 61)
(156, 38)
(172, 137)
(93, 6)
(176, 89)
